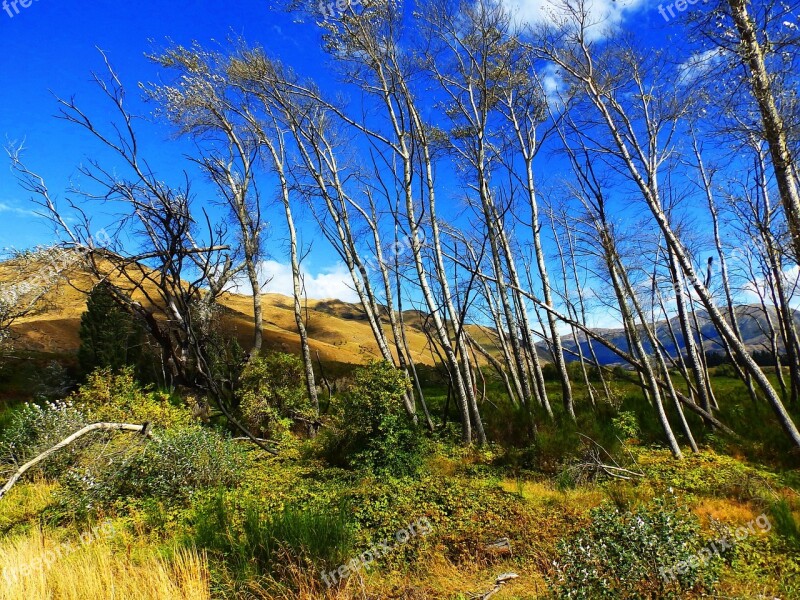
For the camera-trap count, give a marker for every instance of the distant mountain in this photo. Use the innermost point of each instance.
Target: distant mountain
(753, 324)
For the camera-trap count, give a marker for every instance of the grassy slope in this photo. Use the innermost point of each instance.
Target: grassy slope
(338, 331)
(470, 504)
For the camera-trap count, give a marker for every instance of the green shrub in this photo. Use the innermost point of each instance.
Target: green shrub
(171, 467)
(253, 543)
(626, 425)
(631, 555)
(372, 429)
(117, 397)
(32, 429)
(271, 393)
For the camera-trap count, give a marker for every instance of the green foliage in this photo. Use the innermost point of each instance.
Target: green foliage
(110, 337)
(172, 467)
(32, 429)
(271, 392)
(254, 543)
(116, 397)
(372, 429)
(784, 521)
(626, 425)
(625, 554)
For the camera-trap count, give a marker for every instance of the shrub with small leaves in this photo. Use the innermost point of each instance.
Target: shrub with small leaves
(117, 397)
(271, 393)
(624, 555)
(34, 428)
(170, 467)
(626, 425)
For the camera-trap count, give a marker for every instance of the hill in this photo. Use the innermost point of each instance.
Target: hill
(339, 331)
(753, 323)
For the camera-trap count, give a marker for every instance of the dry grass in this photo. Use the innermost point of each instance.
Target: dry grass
(544, 493)
(39, 566)
(441, 579)
(24, 502)
(725, 510)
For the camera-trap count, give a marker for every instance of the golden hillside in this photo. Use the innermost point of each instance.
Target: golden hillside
(339, 331)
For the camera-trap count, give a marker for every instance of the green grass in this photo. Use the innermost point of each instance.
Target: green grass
(285, 520)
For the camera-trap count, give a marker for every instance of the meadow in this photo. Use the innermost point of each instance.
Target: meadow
(195, 514)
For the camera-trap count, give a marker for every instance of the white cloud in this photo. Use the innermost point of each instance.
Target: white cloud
(791, 282)
(9, 207)
(331, 283)
(698, 65)
(553, 86)
(605, 15)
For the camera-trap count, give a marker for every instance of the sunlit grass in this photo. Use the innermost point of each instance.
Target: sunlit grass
(39, 566)
(24, 502)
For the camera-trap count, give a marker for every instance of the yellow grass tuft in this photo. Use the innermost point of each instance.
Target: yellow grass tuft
(544, 493)
(24, 502)
(726, 510)
(40, 566)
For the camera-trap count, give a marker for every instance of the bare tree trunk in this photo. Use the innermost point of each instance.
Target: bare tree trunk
(706, 178)
(692, 356)
(774, 129)
(583, 72)
(572, 312)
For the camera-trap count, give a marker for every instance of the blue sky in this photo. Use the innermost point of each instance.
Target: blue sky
(51, 48)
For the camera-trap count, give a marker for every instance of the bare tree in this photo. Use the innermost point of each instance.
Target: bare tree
(172, 280)
(203, 104)
(603, 83)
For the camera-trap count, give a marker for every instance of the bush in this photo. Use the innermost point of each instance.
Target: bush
(626, 426)
(32, 429)
(117, 397)
(171, 467)
(271, 393)
(253, 543)
(373, 429)
(622, 554)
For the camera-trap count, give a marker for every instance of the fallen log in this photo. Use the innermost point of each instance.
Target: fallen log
(498, 585)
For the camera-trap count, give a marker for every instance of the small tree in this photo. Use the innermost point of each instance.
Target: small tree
(374, 430)
(110, 337)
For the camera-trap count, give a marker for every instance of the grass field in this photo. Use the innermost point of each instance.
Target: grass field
(516, 489)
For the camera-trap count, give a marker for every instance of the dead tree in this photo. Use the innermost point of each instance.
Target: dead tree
(171, 281)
